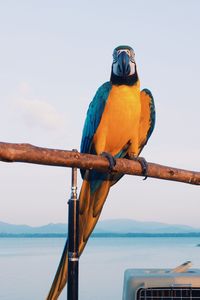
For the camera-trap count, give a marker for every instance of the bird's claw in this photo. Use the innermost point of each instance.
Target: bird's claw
(111, 160)
(144, 165)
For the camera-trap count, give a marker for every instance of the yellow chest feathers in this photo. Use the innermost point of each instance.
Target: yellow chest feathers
(120, 120)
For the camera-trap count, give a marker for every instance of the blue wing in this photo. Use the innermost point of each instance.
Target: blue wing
(152, 112)
(93, 117)
(92, 121)
(148, 117)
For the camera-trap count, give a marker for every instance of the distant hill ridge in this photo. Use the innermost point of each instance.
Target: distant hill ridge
(121, 226)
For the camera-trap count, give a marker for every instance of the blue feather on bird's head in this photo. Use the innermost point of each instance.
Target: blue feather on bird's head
(124, 67)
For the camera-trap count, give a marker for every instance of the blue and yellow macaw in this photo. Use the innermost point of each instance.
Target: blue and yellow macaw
(119, 122)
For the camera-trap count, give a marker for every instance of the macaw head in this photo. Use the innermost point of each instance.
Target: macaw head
(124, 67)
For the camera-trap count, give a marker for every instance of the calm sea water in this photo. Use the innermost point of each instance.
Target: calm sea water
(27, 265)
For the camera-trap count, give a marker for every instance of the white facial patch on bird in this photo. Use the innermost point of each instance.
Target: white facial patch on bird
(131, 55)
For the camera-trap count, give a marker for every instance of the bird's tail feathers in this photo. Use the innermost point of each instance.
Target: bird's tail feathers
(91, 204)
(60, 278)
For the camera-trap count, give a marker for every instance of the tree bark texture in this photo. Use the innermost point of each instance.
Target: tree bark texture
(27, 153)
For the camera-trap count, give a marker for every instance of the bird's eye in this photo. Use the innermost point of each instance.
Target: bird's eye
(115, 54)
(132, 56)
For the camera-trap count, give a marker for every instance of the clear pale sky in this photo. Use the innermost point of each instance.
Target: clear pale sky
(53, 57)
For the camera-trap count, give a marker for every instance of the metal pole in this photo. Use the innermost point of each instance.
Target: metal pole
(73, 239)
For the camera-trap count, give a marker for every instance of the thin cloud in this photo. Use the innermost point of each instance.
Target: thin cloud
(24, 88)
(37, 113)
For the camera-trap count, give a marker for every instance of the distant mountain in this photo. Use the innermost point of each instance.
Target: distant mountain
(116, 226)
(132, 226)
(51, 228)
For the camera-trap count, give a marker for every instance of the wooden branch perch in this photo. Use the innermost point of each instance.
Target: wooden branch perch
(36, 155)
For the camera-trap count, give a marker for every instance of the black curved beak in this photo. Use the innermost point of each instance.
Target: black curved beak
(123, 68)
